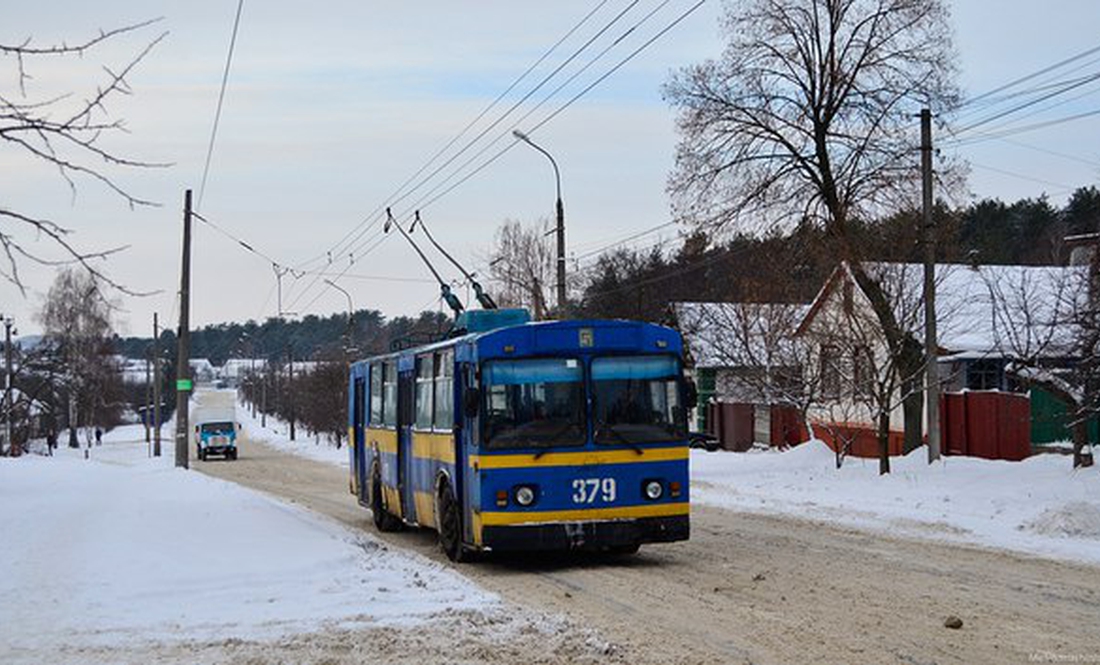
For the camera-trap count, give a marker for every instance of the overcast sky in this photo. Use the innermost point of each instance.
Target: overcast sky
(333, 105)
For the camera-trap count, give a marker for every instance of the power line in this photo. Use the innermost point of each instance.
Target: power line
(221, 97)
(1028, 77)
(1042, 98)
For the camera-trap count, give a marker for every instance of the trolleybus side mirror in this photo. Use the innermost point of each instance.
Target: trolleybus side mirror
(471, 401)
(691, 394)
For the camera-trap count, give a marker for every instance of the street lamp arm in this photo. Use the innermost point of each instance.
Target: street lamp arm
(557, 173)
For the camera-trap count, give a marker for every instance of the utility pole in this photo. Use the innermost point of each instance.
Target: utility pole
(931, 348)
(8, 321)
(156, 386)
(263, 406)
(148, 415)
(290, 387)
(183, 353)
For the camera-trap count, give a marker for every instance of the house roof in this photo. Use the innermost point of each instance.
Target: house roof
(724, 334)
(1005, 310)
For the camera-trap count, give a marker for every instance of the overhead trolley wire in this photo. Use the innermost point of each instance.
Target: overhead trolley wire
(475, 120)
(569, 103)
(432, 196)
(356, 243)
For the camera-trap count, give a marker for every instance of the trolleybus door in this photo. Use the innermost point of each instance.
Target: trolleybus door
(406, 390)
(358, 456)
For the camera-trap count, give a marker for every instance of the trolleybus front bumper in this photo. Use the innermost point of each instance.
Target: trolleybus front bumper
(596, 535)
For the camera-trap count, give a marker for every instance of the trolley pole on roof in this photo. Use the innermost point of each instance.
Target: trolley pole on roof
(931, 348)
(183, 349)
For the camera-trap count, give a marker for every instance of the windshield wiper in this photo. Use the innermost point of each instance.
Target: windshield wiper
(562, 430)
(605, 427)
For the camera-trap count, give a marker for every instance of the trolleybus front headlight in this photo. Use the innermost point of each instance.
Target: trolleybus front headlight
(525, 495)
(653, 489)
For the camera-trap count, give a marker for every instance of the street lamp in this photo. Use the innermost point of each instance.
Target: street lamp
(351, 309)
(560, 218)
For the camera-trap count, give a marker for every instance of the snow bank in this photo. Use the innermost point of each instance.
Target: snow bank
(123, 548)
(1039, 506)
(277, 435)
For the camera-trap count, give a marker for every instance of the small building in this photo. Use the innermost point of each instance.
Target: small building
(748, 366)
(991, 322)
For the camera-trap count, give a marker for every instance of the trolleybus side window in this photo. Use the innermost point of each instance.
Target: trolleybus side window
(389, 393)
(376, 394)
(533, 402)
(636, 399)
(424, 387)
(444, 390)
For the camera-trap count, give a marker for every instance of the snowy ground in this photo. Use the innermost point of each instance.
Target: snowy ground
(122, 548)
(1038, 506)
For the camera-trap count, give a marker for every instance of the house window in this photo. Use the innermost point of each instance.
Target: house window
(830, 372)
(985, 374)
(863, 371)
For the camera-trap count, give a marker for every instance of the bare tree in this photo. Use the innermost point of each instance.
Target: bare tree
(1044, 320)
(76, 319)
(66, 132)
(521, 264)
(808, 117)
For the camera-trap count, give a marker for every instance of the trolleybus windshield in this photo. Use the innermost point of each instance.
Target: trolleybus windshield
(534, 402)
(636, 399)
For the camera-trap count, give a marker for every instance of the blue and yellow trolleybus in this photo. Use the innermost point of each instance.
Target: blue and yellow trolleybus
(526, 436)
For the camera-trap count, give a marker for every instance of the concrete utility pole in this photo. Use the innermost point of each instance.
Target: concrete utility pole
(148, 415)
(156, 386)
(8, 321)
(290, 387)
(263, 406)
(931, 348)
(183, 353)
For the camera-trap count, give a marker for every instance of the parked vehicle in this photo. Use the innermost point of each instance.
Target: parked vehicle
(216, 434)
(704, 441)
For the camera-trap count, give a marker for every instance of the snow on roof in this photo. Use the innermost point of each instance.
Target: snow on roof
(1006, 310)
(724, 334)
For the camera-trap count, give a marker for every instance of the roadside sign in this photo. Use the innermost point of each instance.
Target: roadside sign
(183, 385)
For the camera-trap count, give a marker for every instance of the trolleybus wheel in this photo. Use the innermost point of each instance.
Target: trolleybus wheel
(450, 525)
(383, 520)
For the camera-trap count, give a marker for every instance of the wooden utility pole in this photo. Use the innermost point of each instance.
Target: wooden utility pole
(183, 352)
(156, 386)
(290, 387)
(931, 348)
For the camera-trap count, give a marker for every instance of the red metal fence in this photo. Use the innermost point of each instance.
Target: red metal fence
(993, 425)
(989, 424)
